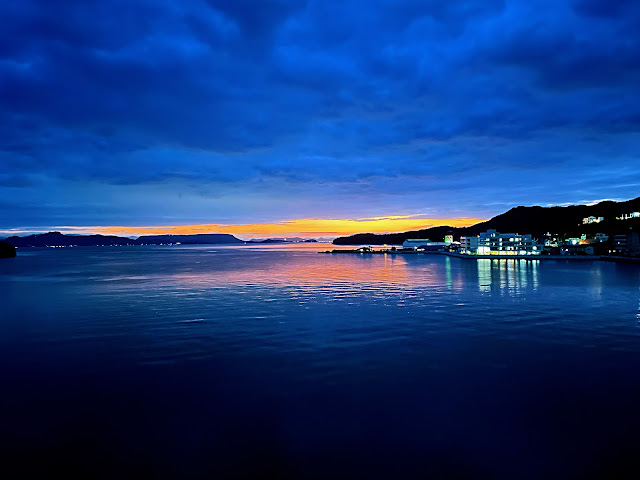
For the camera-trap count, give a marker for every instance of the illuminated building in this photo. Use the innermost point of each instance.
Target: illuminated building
(469, 245)
(492, 242)
(628, 216)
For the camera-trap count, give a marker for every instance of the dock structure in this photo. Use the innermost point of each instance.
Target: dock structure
(411, 251)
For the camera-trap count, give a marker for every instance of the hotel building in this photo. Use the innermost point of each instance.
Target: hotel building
(492, 242)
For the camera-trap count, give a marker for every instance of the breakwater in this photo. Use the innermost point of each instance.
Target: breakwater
(389, 251)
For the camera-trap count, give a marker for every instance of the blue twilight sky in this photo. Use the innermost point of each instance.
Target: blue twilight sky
(236, 111)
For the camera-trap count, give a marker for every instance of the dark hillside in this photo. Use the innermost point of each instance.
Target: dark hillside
(57, 239)
(198, 239)
(535, 220)
(60, 240)
(7, 250)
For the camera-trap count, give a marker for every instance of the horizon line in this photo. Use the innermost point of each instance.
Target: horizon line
(302, 227)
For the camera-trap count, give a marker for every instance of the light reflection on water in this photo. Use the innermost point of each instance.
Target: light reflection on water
(388, 354)
(144, 286)
(321, 271)
(509, 276)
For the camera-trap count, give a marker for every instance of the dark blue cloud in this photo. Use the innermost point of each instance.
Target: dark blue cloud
(264, 109)
(614, 9)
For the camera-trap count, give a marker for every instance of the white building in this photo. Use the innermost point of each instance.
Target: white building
(469, 245)
(589, 220)
(423, 244)
(492, 242)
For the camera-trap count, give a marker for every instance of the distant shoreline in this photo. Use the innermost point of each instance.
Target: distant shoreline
(57, 239)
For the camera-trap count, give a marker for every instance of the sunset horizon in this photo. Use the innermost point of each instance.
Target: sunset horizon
(304, 227)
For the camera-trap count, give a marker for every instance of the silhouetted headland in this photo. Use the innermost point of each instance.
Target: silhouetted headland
(198, 239)
(567, 221)
(7, 250)
(57, 239)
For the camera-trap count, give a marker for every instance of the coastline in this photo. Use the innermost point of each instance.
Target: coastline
(607, 258)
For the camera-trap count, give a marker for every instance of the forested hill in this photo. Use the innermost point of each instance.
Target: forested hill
(535, 220)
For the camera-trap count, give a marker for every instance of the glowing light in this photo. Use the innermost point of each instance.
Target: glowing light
(303, 227)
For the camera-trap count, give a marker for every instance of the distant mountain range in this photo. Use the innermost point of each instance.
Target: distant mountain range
(57, 239)
(534, 220)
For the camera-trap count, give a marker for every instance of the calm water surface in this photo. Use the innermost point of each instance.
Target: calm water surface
(248, 362)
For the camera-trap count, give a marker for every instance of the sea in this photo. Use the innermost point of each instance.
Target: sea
(277, 361)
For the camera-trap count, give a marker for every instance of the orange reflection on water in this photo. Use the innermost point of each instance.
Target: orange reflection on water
(315, 271)
(379, 269)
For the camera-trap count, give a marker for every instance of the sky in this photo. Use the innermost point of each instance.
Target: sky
(312, 117)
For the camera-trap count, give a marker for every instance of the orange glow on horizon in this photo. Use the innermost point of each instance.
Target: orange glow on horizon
(303, 227)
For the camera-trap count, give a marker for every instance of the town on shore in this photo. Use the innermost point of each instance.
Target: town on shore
(604, 230)
(493, 244)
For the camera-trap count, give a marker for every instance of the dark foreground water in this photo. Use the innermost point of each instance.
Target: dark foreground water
(236, 362)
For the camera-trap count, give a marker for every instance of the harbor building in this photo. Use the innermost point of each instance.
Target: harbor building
(492, 242)
(469, 245)
(423, 244)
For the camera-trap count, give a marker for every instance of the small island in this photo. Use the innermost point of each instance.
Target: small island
(7, 250)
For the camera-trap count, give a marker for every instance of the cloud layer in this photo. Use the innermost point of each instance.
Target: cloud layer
(155, 113)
